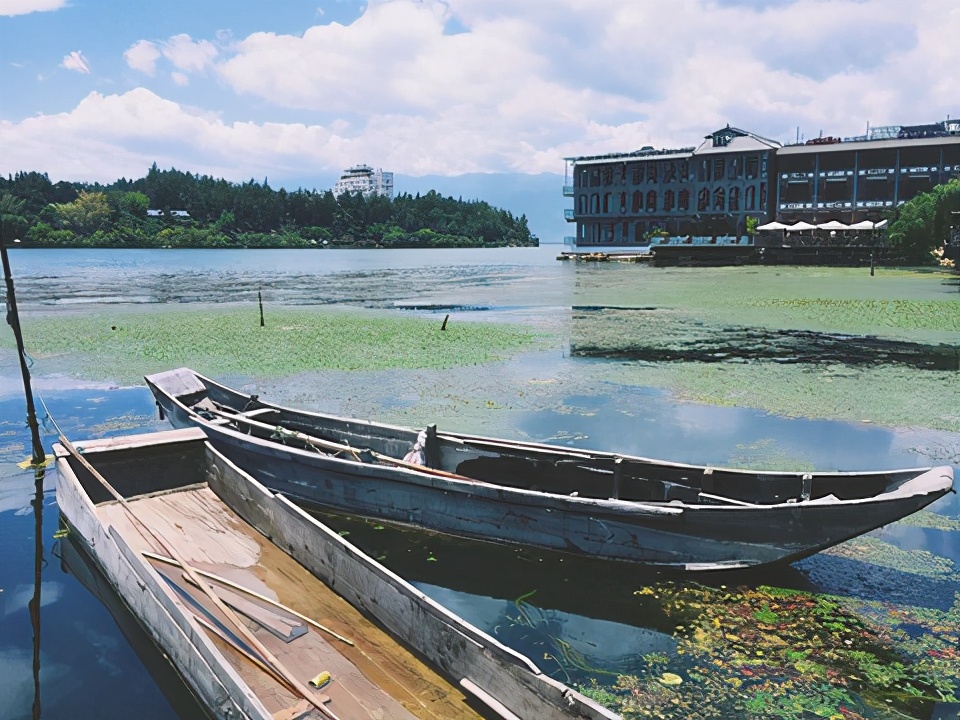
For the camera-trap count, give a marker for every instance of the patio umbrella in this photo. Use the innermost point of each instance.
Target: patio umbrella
(773, 226)
(833, 225)
(799, 226)
(862, 225)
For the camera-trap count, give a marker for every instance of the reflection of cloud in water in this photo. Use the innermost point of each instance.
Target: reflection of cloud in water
(18, 491)
(18, 598)
(16, 683)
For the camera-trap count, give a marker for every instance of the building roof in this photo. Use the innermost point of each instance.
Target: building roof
(870, 145)
(647, 153)
(731, 139)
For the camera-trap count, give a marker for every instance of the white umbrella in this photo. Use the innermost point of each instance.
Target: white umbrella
(833, 225)
(862, 225)
(773, 226)
(882, 223)
(798, 226)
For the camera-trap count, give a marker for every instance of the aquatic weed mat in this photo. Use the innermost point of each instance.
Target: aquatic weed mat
(125, 345)
(760, 652)
(888, 395)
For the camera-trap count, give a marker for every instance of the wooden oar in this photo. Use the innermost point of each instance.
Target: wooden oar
(251, 593)
(337, 447)
(244, 631)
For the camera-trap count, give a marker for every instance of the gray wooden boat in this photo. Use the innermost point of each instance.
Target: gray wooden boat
(599, 504)
(251, 598)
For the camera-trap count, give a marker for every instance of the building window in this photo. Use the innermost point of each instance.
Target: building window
(670, 171)
(763, 195)
(607, 176)
(683, 200)
(606, 202)
(625, 232)
(734, 198)
(637, 201)
(703, 199)
(668, 200)
(733, 168)
(718, 168)
(719, 199)
(651, 201)
(583, 204)
(651, 172)
(594, 177)
(637, 177)
(684, 170)
(623, 203)
(595, 204)
(752, 165)
(750, 197)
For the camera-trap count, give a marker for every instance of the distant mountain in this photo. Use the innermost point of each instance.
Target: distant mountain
(539, 197)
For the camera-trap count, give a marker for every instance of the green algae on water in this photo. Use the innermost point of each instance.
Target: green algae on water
(128, 345)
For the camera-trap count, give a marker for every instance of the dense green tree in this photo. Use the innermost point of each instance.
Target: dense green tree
(925, 222)
(250, 214)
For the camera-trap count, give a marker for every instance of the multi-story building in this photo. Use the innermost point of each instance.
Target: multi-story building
(859, 178)
(709, 192)
(364, 179)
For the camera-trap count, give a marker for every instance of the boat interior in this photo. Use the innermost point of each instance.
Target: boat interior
(562, 471)
(313, 631)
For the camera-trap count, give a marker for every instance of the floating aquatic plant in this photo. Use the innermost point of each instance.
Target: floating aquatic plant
(126, 345)
(771, 652)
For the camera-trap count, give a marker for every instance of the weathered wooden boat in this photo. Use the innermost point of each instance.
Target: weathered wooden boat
(600, 504)
(250, 597)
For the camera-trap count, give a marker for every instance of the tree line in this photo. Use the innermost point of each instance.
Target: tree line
(219, 213)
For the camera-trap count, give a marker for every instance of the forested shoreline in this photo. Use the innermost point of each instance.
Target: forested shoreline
(172, 208)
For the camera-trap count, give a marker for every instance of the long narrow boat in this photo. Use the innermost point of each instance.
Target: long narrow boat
(600, 504)
(252, 599)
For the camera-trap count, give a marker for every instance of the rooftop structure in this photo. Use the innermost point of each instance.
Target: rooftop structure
(365, 180)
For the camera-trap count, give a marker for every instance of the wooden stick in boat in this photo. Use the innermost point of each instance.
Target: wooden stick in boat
(270, 658)
(251, 593)
(253, 659)
(329, 445)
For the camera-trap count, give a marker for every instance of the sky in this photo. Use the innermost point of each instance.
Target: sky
(297, 90)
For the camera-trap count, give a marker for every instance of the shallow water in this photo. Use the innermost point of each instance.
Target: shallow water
(579, 619)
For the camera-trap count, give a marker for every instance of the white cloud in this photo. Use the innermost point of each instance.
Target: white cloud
(24, 7)
(185, 54)
(77, 62)
(143, 56)
(180, 50)
(494, 85)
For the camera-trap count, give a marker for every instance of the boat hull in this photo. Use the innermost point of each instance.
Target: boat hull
(694, 537)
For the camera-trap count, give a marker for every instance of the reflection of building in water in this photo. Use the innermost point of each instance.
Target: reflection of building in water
(365, 180)
(711, 190)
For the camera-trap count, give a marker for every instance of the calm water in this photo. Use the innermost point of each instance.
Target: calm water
(580, 621)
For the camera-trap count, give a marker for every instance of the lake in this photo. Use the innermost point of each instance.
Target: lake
(801, 368)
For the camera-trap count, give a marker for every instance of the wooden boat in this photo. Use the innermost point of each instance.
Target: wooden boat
(599, 504)
(250, 597)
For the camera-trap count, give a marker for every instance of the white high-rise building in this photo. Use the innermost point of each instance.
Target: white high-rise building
(364, 179)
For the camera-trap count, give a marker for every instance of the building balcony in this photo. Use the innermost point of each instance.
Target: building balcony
(568, 190)
(568, 215)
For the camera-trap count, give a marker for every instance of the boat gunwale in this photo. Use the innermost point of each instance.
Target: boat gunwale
(614, 506)
(546, 447)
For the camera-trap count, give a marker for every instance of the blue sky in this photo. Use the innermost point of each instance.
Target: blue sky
(98, 89)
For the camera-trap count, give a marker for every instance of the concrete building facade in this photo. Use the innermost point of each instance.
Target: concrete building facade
(365, 180)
